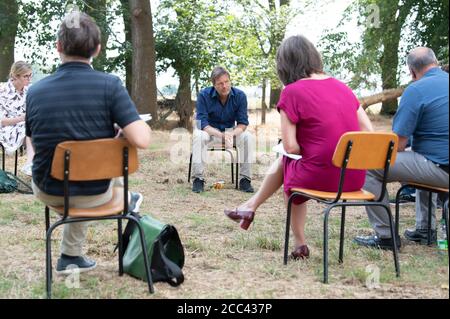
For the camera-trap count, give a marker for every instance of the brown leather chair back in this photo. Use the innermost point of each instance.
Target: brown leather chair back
(94, 159)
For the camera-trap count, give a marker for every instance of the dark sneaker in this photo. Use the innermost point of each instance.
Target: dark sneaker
(420, 236)
(245, 185)
(135, 202)
(67, 265)
(404, 198)
(198, 185)
(376, 242)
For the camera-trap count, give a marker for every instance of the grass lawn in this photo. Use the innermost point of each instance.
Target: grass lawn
(222, 261)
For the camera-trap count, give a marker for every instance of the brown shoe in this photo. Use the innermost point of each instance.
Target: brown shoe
(244, 218)
(300, 252)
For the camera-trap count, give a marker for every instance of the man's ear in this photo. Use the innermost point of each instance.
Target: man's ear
(97, 51)
(413, 74)
(59, 47)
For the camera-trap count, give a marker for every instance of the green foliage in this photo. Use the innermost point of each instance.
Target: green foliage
(257, 38)
(403, 24)
(432, 27)
(243, 56)
(39, 22)
(188, 37)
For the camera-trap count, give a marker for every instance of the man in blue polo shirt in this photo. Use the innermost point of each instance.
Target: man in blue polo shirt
(78, 103)
(222, 118)
(422, 114)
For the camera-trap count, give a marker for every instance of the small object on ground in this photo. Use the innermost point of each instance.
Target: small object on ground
(218, 185)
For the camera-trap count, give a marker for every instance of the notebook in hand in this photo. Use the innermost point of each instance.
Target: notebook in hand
(280, 149)
(145, 117)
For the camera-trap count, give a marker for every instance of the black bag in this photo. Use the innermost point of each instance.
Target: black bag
(10, 183)
(164, 248)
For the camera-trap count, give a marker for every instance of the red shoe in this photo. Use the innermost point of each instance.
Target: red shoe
(300, 252)
(245, 218)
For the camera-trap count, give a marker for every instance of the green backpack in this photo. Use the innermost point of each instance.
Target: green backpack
(165, 251)
(7, 184)
(10, 183)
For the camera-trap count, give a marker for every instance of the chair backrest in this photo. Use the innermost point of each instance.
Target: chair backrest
(369, 150)
(94, 159)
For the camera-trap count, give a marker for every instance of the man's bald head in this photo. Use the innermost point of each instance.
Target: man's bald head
(421, 58)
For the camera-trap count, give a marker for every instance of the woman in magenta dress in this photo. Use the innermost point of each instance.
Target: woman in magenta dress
(315, 111)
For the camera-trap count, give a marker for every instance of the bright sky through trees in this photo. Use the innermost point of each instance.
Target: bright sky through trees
(311, 24)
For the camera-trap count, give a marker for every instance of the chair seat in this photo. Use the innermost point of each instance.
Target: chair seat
(434, 188)
(113, 207)
(357, 195)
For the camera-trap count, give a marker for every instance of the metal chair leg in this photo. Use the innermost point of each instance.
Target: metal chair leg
(144, 250)
(341, 239)
(430, 204)
(237, 168)
(445, 217)
(48, 262)
(15, 163)
(232, 163)
(120, 246)
(232, 172)
(47, 218)
(397, 209)
(190, 168)
(325, 244)
(394, 240)
(3, 156)
(288, 225)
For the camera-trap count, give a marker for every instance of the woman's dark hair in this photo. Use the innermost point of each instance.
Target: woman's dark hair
(297, 58)
(79, 35)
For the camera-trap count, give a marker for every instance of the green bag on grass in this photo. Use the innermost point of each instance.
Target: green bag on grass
(10, 183)
(7, 184)
(165, 251)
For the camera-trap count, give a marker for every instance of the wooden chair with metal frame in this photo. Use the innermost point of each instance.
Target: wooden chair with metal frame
(88, 161)
(222, 148)
(430, 189)
(355, 150)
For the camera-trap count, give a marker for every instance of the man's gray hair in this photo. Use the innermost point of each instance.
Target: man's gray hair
(420, 58)
(217, 73)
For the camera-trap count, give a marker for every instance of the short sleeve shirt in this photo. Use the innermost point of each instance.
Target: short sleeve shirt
(322, 110)
(423, 115)
(74, 103)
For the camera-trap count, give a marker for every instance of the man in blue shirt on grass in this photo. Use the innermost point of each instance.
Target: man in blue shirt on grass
(221, 115)
(422, 114)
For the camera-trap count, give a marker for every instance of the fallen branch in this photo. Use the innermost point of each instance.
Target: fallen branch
(384, 96)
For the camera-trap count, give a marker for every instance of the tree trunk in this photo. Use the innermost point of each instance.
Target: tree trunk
(389, 60)
(144, 76)
(183, 102)
(275, 93)
(385, 96)
(8, 29)
(263, 102)
(97, 10)
(128, 42)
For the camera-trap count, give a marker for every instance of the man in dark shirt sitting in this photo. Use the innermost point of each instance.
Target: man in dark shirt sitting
(78, 103)
(222, 118)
